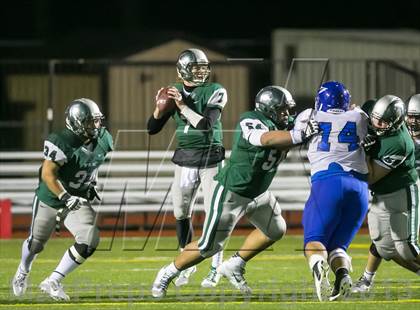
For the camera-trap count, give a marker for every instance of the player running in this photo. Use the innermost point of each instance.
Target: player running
(66, 188)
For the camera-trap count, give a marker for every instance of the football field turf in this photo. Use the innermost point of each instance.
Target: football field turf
(121, 278)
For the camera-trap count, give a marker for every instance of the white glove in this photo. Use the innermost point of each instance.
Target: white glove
(72, 202)
(303, 135)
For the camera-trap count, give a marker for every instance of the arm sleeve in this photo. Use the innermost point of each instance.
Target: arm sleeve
(210, 116)
(155, 125)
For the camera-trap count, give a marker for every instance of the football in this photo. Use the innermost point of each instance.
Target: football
(163, 102)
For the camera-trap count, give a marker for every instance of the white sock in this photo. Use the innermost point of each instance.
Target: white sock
(27, 257)
(172, 269)
(237, 260)
(313, 259)
(369, 275)
(217, 259)
(66, 265)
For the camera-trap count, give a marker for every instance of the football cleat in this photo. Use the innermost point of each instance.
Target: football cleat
(212, 279)
(363, 285)
(235, 275)
(20, 282)
(54, 289)
(184, 276)
(161, 283)
(322, 285)
(342, 288)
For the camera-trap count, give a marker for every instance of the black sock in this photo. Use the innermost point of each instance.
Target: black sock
(339, 274)
(184, 231)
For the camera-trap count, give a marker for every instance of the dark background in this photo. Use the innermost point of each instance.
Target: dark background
(239, 27)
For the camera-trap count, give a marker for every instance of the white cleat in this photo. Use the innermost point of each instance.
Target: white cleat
(212, 279)
(54, 289)
(161, 283)
(235, 275)
(343, 289)
(363, 285)
(322, 285)
(184, 276)
(20, 282)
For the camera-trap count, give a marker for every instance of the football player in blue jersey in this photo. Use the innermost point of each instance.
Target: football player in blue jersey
(338, 201)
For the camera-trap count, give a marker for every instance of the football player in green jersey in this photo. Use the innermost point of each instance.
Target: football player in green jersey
(393, 216)
(261, 142)
(199, 152)
(67, 181)
(413, 124)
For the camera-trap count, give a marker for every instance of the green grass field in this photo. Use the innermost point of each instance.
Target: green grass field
(121, 278)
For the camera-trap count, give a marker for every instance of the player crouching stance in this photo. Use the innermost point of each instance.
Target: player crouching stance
(338, 201)
(261, 142)
(66, 187)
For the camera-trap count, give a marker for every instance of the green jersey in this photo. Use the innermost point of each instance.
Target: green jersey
(78, 163)
(396, 152)
(251, 168)
(417, 154)
(208, 95)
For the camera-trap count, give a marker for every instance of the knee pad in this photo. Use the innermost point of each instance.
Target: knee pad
(93, 237)
(406, 250)
(340, 253)
(79, 252)
(183, 205)
(35, 246)
(374, 251)
(385, 251)
(277, 228)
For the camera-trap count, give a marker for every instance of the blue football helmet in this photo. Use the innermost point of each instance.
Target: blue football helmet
(332, 96)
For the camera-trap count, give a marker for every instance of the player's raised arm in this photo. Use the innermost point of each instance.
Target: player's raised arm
(160, 115)
(210, 114)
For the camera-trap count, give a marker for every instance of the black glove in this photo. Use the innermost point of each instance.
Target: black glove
(92, 192)
(369, 142)
(72, 202)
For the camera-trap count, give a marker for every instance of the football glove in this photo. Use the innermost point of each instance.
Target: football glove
(369, 142)
(302, 136)
(92, 192)
(72, 202)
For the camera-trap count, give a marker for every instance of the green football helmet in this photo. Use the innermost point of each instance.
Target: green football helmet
(388, 111)
(276, 103)
(81, 116)
(413, 115)
(193, 66)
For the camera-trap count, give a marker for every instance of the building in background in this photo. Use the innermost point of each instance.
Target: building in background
(371, 63)
(125, 87)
